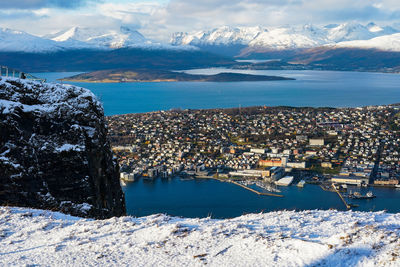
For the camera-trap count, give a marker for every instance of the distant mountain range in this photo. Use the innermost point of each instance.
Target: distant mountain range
(78, 38)
(283, 38)
(347, 46)
(301, 37)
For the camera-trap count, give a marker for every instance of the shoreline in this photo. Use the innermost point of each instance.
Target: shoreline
(249, 107)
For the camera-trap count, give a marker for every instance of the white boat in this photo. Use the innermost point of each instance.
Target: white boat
(397, 186)
(358, 195)
(285, 181)
(301, 183)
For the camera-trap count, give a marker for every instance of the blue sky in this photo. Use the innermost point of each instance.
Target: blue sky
(157, 19)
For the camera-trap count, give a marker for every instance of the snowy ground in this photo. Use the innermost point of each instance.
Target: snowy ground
(311, 238)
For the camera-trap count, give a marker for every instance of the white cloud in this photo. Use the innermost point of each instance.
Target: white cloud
(158, 19)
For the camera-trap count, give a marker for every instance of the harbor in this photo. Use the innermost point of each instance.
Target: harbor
(210, 197)
(251, 182)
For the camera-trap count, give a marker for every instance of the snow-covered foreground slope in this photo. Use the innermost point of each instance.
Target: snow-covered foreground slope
(285, 238)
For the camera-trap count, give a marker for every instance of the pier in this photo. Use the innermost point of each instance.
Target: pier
(348, 206)
(255, 191)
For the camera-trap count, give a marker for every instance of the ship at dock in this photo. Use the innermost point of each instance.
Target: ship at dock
(358, 195)
(301, 184)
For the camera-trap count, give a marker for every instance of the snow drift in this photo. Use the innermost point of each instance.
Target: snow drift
(285, 238)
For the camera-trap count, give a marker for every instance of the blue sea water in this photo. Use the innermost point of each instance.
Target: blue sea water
(201, 198)
(311, 88)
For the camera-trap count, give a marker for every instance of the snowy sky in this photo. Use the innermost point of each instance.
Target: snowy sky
(157, 19)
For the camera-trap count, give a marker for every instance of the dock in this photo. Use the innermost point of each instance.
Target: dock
(342, 198)
(255, 191)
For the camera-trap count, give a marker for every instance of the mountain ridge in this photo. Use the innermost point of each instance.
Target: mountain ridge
(274, 38)
(282, 38)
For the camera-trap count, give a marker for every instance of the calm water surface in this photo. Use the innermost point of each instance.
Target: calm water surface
(201, 198)
(312, 88)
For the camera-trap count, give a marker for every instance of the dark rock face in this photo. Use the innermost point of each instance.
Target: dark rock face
(54, 152)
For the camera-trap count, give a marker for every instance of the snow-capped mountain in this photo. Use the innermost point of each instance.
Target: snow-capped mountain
(288, 37)
(221, 36)
(123, 37)
(386, 43)
(79, 38)
(254, 38)
(19, 41)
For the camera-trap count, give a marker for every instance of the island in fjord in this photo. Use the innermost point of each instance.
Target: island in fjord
(145, 75)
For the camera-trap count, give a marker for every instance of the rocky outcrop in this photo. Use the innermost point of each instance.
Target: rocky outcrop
(54, 152)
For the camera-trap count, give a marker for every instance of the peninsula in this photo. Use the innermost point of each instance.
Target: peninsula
(145, 75)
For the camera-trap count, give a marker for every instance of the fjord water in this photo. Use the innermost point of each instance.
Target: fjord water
(311, 88)
(201, 198)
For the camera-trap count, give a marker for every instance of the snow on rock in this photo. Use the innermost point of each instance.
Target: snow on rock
(283, 238)
(69, 147)
(54, 152)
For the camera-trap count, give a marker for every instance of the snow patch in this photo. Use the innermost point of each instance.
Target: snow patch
(69, 147)
(7, 161)
(283, 238)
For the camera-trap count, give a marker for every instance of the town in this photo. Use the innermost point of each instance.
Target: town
(276, 145)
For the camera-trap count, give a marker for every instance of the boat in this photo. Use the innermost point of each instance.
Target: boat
(397, 186)
(285, 181)
(358, 195)
(301, 183)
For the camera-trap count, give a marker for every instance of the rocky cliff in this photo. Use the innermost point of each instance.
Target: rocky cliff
(54, 152)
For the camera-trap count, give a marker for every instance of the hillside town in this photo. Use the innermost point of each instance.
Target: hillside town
(358, 146)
